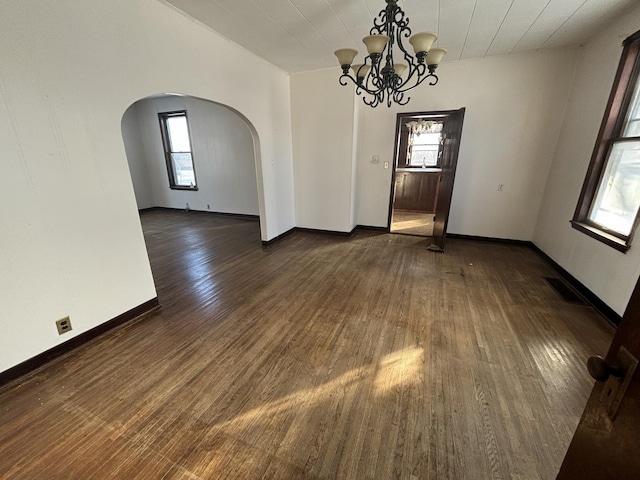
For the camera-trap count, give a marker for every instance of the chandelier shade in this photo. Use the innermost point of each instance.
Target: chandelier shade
(380, 78)
(399, 68)
(346, 55)
(421, 42)
(375, 43)
(360, 70)
(435, 56)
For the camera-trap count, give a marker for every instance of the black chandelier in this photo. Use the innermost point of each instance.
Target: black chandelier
(377, 83)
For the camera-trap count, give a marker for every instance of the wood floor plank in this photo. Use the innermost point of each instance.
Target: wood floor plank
(366, 357)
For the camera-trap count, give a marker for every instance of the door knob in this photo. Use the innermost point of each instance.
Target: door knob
(600, 370)
(617, 374)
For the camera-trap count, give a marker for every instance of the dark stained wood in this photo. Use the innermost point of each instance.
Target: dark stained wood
(416, 191)
(401, 146)
(610, 130)
(45, 357)
(601, 448)
(596, 302)
(362, 357)
(452, 132)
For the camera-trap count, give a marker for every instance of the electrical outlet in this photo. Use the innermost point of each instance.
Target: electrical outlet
(63, 325)
(208, 207)
(375, 159)
(501, 187)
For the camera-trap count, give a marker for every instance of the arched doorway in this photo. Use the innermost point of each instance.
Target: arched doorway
(224, 155)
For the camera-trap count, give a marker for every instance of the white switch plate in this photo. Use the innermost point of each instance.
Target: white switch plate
(386, 164)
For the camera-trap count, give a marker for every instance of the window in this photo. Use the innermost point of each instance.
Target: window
(610, 199)
(177, 150)
(424, 142)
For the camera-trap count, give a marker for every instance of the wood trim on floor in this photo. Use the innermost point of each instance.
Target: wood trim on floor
(375, 229)
(38, 361)
(592, 299)
(267, 243)
(226, 214)
(336, 233)
(504, 241)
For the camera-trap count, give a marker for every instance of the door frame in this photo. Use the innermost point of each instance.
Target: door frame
(396, 148)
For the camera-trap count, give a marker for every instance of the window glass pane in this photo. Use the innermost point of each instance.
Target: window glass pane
(178, 134)
(618, 197)
(424, 156)
(632, 123)
(183, 169)
(424, 149)
(426, 139)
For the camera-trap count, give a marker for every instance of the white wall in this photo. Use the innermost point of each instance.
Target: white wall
(610, 274)
(323, 148)
(223, 155)
(70, 236)
(137, 158)
(514, 111)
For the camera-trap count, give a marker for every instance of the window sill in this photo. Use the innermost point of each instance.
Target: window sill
(178, 187)
(419, 169)
(601, 236)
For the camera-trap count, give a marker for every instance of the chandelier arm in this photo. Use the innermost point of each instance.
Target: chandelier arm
(434, 80)
(343, 80)
(416, 73)
(370, 81)
(374, 102)
(371, 84)
(414, 78)
(379, 23)
(399, 98)
(365, 99)
(402, 30)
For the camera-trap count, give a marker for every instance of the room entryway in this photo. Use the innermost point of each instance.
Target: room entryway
(411, 222)
(425, 160)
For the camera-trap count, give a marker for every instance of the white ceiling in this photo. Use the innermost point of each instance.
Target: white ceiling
(300, 35)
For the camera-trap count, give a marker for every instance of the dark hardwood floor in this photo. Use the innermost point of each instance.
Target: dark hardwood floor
(366, 357)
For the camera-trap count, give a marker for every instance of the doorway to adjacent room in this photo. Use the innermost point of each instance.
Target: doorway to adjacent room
(425, 160)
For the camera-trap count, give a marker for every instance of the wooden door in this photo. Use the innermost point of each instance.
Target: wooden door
(452, 132)
(443, 187)
(416, 191)
(606, 444)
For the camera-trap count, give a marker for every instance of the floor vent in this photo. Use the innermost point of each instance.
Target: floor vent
(565, 291)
